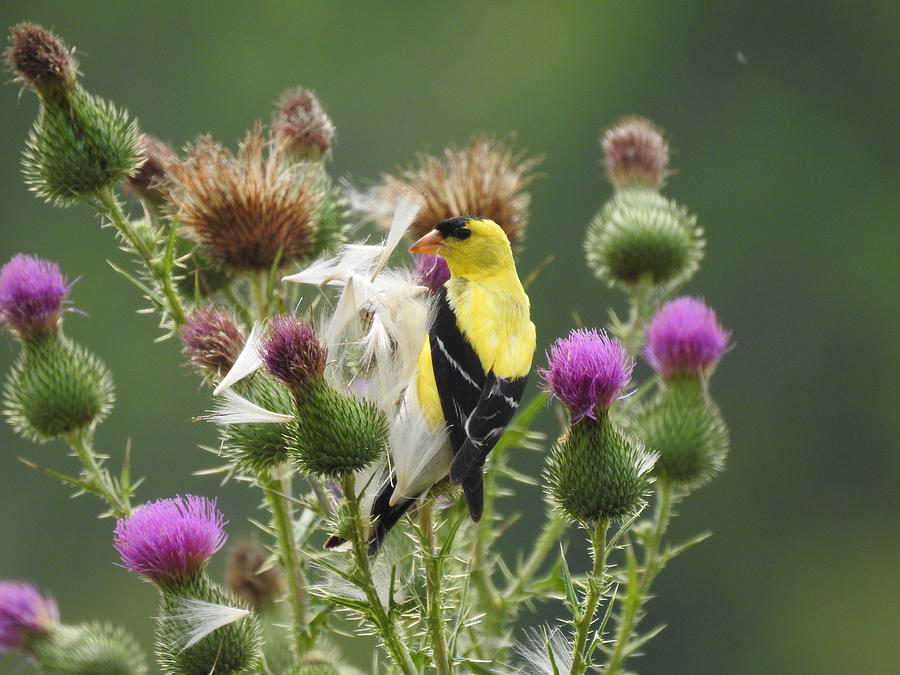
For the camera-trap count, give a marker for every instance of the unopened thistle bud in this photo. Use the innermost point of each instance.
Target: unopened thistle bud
(431, 271)
(596, 471)
(201, 627)
(636, 154)
(152, 181)
(79, 145)
(683, 424)
(212, 341)
(335, 433)
(246, 577)
(25, 614)
(254, 447)
(55, 387)
(249, 210)
(487, 178)
(639, 235)
(685, 338)
(301, 128)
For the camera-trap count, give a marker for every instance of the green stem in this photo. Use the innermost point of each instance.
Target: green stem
(546, 542)
(594, 592)
(259, 292)
(633, 333)
(637, 593)
(433, 574)
(283, 521)
(111, 208)
(379, 616)
(479, 570)
(238, 305)
(102, 484)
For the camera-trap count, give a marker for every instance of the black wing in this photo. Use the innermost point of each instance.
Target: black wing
(495, 409)
(458, 372)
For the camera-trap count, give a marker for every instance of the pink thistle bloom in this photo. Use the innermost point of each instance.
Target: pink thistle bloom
(685, 337)
(587, 372)
(32, 291)
(170, 538)
(431, 271)
(24, 612)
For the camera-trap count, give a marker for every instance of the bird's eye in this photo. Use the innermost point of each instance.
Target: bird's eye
(463, 233)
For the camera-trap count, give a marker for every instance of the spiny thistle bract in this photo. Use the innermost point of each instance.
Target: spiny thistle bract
(335, 433)
(638, 235)
(486, 177)
(684, 426)
(89, 649)
(56, 387)
(252, 447)
(80, 144)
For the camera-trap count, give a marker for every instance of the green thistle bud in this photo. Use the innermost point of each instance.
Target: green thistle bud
(334, 211)
(596, 472)
(88, 649)
(336, 433)
(686, 428)
(250, 447)
(194, 606)
(57, 387)
(79, 144)
(639, 234)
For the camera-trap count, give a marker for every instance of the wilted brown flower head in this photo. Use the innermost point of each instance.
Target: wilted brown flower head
(212, 340)
(39, 58)
(636, 154)
(152, 181)
(485, 178)
(243, 578)
(300, 126)
(247, 208)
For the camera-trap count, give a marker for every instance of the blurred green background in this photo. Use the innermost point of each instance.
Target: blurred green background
(783, 120)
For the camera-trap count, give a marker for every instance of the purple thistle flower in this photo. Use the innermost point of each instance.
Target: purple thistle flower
(23, 612)
(293, 353)
(212, 340)
(587, 371)
(431, 271)
(170, 537)
(32, 291)
(685, 337)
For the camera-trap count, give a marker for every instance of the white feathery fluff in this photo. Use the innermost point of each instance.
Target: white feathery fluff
(202, 618)
(247, 362)
(233, 408)
(544, 651)
(421, 455)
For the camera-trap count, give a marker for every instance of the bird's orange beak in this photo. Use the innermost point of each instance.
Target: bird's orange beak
(430, 243)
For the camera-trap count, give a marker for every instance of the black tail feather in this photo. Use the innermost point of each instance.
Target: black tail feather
(385, 516)
(473, 487)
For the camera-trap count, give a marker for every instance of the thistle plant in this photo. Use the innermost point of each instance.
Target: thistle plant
(311, 346)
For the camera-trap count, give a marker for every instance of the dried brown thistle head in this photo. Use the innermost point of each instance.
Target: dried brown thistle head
(485, 178)
(248, 208)
(153, 181)
(301, 127)
(636, 153)
(39, 58)
(258, 589)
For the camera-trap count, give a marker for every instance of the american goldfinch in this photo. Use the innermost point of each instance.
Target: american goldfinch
(475, 362)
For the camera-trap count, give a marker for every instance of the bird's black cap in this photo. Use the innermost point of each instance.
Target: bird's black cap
(455, 227)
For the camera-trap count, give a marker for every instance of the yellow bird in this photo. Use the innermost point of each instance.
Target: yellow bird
(475, 363)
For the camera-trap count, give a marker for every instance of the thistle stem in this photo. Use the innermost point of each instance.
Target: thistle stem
(110, 207)
(595, 582)
(633, 333)
(638, 591)
(102, 484)
(433, 572)
(378, 615)
(283, 521)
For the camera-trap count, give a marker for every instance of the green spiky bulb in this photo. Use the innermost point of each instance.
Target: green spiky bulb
(640, 235)
(598, 472)
(688, 431)
(88, 649)
(251, 447)
(56, 388)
